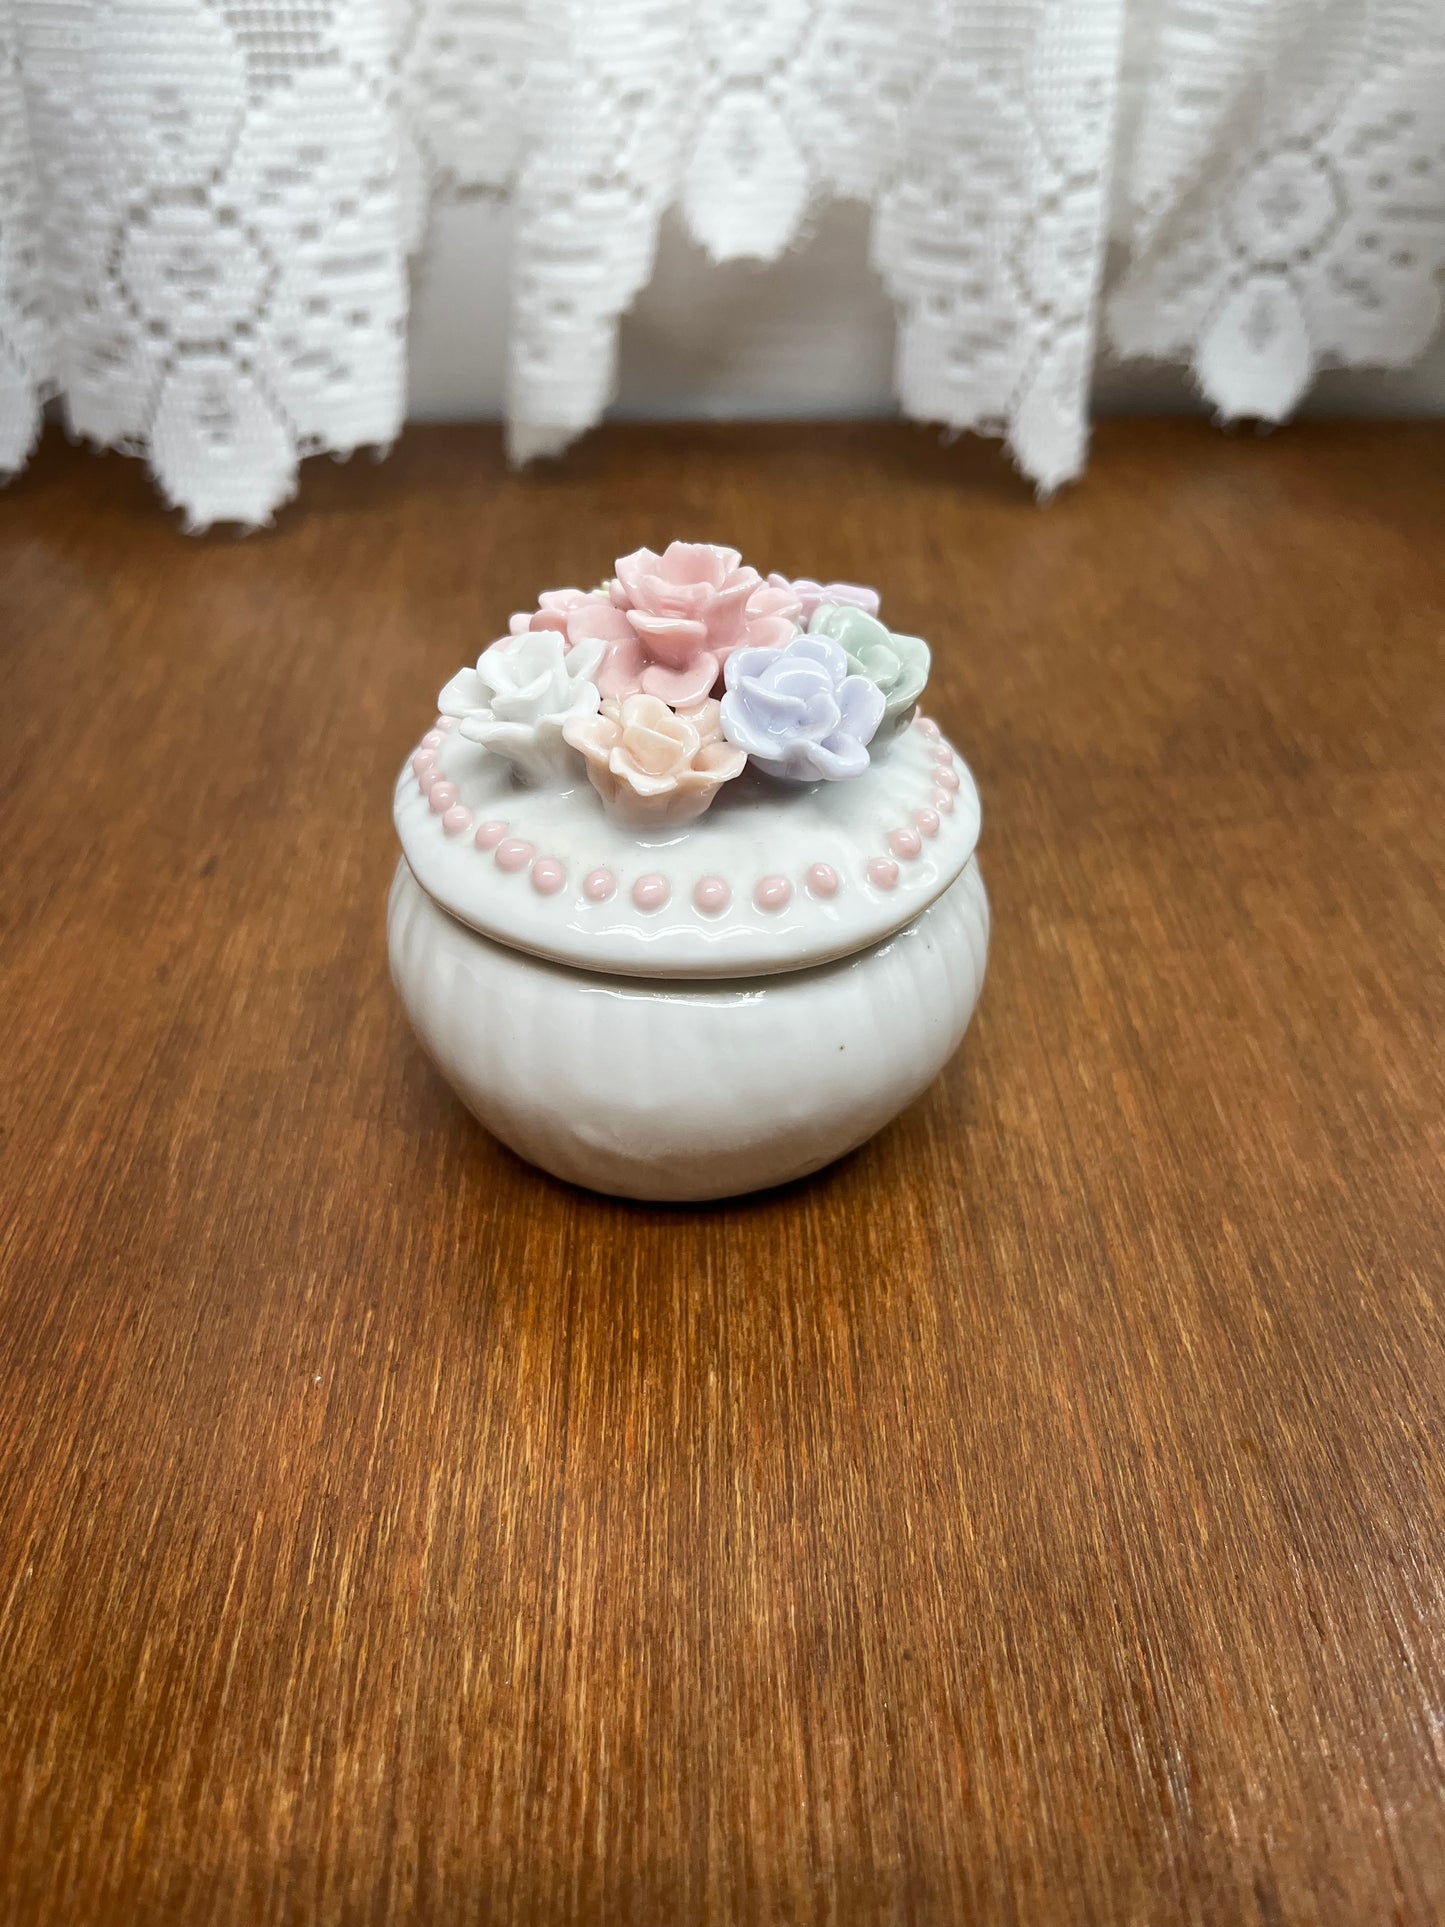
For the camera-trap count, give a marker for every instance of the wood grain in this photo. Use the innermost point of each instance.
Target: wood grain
(1037, 1518)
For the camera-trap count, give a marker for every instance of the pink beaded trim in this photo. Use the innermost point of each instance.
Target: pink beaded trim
(711, 895)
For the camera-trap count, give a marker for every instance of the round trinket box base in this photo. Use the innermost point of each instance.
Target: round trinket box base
(682, 1090)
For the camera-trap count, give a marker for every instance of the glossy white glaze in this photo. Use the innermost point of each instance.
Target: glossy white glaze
(684, 1090)
(808, 872)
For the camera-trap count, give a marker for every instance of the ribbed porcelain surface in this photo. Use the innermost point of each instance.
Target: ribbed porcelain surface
(773, 878)
(677, 1090)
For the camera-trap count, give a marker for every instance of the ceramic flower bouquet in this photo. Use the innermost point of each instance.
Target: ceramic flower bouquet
(684, 668)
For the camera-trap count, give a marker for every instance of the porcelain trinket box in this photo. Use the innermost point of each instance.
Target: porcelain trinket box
(688, 903)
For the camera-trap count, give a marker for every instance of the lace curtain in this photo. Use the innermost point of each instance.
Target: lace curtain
(208, 208)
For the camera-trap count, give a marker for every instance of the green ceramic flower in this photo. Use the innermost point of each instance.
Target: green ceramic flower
(898, 664)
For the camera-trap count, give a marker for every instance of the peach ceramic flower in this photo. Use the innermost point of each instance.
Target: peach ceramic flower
(689, 609)
(652, 765)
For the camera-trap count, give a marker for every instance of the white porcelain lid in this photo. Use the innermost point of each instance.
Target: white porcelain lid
(772, 878)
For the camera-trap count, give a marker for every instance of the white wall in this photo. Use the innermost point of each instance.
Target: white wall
(811, 335)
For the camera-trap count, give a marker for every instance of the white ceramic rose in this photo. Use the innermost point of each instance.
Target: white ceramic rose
(521, 693)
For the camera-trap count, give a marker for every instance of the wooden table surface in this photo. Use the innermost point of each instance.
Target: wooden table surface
(1038, 1517)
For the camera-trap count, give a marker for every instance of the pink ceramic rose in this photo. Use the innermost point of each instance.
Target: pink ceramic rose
(582, 615)
(689, 608)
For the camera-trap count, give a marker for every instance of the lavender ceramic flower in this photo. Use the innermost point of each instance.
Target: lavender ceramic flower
(812, 594)
(797, 711)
